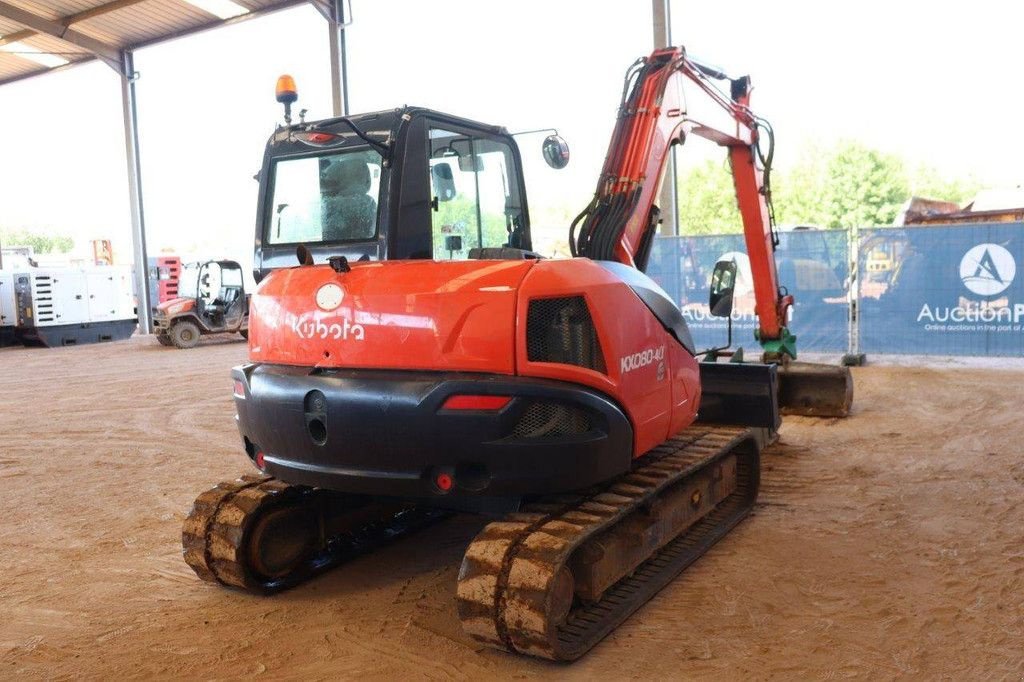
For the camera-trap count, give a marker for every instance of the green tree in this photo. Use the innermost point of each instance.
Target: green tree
(707, 200)
(797, 194)
(40, 243)
(837, 187)
(863, 187)
(927, 182)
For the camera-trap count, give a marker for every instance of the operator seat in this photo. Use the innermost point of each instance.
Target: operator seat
(348, 212)
(223, 303)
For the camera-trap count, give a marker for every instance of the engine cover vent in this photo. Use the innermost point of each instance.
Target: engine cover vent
(544, 419)
(561, 330)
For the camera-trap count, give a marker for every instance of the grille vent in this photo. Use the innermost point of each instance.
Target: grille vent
(543, 419)
(561, 330)
(43, 298)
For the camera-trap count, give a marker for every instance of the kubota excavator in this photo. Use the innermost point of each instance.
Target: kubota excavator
(435, 362)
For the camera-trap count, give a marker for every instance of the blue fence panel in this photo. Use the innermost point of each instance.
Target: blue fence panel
(948, 290)
(813, 266)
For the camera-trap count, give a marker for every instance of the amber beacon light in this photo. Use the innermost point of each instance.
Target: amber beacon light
(286, 93)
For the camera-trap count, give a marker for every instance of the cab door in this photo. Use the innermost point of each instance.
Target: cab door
(475, 193)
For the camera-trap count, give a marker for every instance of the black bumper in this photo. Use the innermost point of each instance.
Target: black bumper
(386, 433)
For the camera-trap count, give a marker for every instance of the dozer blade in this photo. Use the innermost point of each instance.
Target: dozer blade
(815, 390)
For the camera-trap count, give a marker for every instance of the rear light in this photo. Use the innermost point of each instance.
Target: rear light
(480, 403)
(318, 138)
(260, 463)
(239, 389)
(444, 482)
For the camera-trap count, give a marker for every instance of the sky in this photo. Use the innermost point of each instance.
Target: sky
(933, 82)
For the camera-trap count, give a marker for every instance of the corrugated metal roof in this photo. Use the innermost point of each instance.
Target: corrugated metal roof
(120, 24)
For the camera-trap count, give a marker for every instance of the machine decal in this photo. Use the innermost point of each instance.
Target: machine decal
(319, 329)
(646, 357)
(329, 296)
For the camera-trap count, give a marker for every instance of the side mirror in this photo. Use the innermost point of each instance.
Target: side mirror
(444, 181)
(723, 282)
(555, 151)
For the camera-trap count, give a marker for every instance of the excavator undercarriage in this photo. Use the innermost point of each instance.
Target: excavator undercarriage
(550, 580)
(553, 579)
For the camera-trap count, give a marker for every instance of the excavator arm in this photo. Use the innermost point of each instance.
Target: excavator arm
(621, 221)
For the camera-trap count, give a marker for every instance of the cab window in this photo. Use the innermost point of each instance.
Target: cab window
(327, 198)
(474, 198)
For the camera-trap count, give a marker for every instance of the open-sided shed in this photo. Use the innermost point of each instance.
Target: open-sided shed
(40, 36)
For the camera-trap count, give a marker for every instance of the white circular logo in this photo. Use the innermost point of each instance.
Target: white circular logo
(987, 269)
(329, 296)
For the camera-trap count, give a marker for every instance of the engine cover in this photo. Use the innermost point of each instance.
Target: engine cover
(426, 315)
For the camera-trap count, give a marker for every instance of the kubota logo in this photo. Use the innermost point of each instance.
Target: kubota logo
(987, 269)
(318, 329)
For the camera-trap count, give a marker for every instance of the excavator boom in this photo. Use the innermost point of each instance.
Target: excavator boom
(622, 219)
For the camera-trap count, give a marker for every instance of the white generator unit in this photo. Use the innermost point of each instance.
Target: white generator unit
(68, 306)
(8, 314)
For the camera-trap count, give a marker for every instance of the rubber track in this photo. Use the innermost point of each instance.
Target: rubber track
(510, 567)
(215, 533)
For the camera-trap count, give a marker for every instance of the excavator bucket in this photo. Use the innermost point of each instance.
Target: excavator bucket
(815, 390)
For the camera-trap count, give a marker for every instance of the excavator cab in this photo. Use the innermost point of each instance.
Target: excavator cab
(404, 184)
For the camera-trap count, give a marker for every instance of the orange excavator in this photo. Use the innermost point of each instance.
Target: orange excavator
(431, 361)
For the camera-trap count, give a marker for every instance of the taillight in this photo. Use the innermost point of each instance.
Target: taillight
(444, 482)
(317, 138)
(479, 403)
(239, 389)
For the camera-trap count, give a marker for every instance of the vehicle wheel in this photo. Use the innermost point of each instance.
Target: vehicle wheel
(245, 334)
(164, 339)
(185, 334)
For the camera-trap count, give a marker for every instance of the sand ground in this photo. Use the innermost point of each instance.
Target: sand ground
(889, 544)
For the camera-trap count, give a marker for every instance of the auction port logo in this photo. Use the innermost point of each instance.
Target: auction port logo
(987, 269)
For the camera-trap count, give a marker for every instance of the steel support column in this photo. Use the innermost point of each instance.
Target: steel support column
(336, 24)
(131, 147)
(670, 188)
